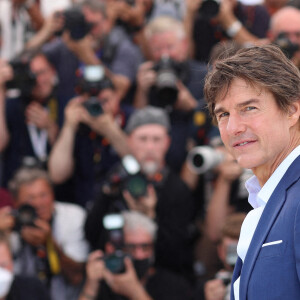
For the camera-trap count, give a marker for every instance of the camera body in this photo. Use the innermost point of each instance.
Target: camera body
(203, 158)
(225, 276)
(25, 215)
(115, 262)
(209, 9)
(113, 224)
(168, 73)
(286, 45)
(75, 23)
(23, 80)
(92, 81)
(127, 175)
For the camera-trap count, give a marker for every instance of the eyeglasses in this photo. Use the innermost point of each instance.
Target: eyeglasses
(291, 34)
(143, 246)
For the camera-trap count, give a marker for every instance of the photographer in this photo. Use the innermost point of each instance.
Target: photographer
(219, 287)
(19, 19)
(16, 287)
(89, 37)
(28, 121)
(207, 22)
(171, 80)
(166, 199)
(140, 280)
(285, 32)
(48, 242)
(89, 144)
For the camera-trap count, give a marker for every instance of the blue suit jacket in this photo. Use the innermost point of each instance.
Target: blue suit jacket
(273, 272)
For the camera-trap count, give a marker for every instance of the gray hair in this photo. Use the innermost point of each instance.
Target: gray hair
(25, 176)
(96, 6)
(164, 24)
(134, 220)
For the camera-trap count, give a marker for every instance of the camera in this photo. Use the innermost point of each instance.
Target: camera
(136, 182)
(231, 254)
(23, 81)
(225, 276)
(113, 223)
(25, 215)
(209, 9)
(92, 81)
(203, 158)
(75, 23)
(128, 176)
(286, 45)
(115, 262)
(168, 72)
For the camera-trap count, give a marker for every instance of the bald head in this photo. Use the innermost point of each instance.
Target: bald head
(286, 20)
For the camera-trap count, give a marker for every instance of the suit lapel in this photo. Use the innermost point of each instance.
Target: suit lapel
(266, 221)
(236, 273)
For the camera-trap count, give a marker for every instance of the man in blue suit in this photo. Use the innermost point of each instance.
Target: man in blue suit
(254, 96)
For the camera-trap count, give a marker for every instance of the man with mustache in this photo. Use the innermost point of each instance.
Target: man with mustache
(167, 199)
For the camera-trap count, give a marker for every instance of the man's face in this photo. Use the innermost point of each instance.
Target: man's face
(109, 101)
(45, 77)
(6, 261)
(290, 27)
(149, 144)
(287, 22)
(254, 130)
(138, 244)
(100, 23)
(168, 44)
(38, 194)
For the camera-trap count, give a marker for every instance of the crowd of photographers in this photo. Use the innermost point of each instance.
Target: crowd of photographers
(113, 181)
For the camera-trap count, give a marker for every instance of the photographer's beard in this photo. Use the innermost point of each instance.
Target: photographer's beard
(150, 167)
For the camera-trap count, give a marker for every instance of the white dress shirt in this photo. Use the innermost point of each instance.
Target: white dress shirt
(258, 198)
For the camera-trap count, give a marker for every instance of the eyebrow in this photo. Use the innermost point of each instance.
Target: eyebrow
(239, 105)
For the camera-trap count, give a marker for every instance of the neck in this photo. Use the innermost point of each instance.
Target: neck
(264, 172)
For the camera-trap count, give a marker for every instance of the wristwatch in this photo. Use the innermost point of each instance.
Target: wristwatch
(234, 28)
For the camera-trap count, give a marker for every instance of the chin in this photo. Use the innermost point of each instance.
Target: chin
(248, 162)
(150, 167)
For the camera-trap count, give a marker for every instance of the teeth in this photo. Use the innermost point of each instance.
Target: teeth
(242, 144)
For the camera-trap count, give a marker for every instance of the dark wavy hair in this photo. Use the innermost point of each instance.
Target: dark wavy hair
(264, 67)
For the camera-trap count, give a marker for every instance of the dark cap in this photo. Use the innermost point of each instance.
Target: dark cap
(148, 115)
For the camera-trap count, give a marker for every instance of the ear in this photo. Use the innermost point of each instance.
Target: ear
(168, 143)
(294, 113)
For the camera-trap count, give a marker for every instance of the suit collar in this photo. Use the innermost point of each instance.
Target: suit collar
(267, 219)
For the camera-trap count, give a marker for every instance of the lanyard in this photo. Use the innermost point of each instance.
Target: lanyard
(38, 141)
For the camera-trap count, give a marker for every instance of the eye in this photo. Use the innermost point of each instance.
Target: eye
(222, 115)
(248, 108)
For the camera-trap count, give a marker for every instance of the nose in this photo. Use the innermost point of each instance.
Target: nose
(235, 125)
(139, 253)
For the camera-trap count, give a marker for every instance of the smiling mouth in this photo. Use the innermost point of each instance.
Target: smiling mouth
(243, 143)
